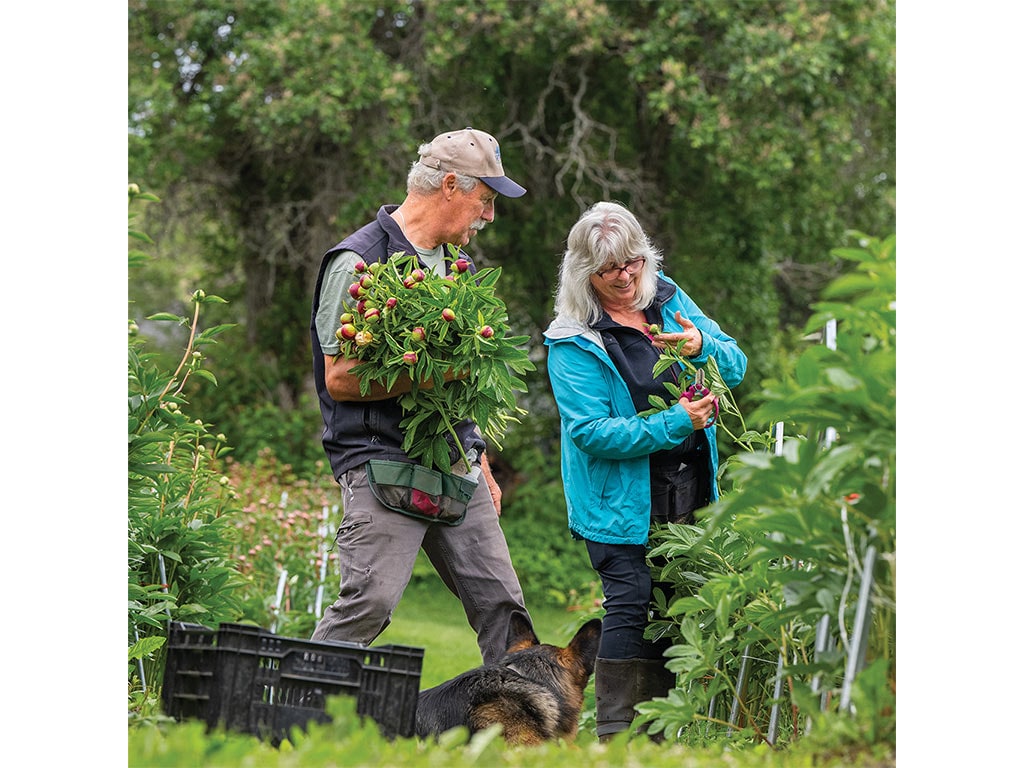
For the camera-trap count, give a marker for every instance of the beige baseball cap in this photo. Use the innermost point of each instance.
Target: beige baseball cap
(473, 153)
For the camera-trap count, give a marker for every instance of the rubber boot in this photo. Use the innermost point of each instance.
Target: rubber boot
(616, 689)
(620, 684)
(654, 680)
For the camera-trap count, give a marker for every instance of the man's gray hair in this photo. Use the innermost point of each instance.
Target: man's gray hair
(606, 233)
(425, 180)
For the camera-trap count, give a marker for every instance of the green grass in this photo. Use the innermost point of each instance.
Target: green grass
(431, 617)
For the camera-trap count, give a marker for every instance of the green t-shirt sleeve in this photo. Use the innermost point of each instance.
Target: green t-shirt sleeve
(335, 299)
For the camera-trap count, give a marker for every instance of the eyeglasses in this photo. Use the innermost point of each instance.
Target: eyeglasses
(631, 267)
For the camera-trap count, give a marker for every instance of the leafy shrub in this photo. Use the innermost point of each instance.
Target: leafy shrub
(258, 411)
(349, 740)
(178, 502)
(785, 548)
(282, 543)
(291, 434)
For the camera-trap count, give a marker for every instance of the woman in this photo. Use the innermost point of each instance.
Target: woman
(623, 472)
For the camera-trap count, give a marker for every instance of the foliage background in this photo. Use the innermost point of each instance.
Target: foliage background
(746, 136)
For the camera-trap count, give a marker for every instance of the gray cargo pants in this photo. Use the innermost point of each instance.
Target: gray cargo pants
(377, 550)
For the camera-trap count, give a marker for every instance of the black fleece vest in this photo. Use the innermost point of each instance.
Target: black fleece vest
(354, 433)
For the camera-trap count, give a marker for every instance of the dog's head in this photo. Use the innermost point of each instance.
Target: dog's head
(563, 672)
(573, 664)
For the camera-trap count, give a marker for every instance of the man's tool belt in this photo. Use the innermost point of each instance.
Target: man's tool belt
(414, 490)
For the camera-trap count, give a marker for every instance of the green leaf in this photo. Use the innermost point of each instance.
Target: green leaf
(215, 330)
(145, 647)
(169, 316)
(441, 458)
(202, 373)
(658, 403)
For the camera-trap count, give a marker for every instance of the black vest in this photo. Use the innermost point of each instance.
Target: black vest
(356, 432)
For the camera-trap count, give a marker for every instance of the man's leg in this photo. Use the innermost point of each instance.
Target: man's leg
(376, 552)
(472, 559)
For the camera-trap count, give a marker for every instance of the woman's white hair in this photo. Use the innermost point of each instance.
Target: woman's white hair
(606, 233)
(425, 180)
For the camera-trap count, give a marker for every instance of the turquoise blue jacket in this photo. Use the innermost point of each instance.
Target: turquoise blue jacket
(605, 444)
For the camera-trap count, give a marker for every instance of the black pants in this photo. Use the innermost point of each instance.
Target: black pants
(625, 575)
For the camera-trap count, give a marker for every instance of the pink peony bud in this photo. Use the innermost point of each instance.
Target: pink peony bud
(372, 315)
(460, 266)
(390, 303)
(418, 334)
(356, 291)
(448, 314)
(360, 267)
(486, 331)
(347, 331)
(347, 317)
(410, 358)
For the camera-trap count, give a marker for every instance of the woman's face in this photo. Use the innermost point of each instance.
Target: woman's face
(617, 283)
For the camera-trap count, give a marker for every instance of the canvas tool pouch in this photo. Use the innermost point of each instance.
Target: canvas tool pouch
(676, 492)
(414, 490)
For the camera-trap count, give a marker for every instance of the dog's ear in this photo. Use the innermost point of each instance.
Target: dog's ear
(520, 633)
(585, 644)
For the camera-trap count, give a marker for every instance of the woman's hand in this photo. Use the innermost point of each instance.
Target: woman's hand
(691, 337)
(700, 411)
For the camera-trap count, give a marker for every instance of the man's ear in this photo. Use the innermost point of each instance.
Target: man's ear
(449, 184)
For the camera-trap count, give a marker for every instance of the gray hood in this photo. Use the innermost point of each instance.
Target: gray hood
(565, 328)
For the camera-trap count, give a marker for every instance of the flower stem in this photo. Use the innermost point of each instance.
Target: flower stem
(458, 443)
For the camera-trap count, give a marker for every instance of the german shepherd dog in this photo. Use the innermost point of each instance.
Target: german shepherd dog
(535, 691)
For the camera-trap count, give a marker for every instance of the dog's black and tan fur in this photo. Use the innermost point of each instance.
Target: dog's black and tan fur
(535, 691)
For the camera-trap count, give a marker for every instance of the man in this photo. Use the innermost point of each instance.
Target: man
(451, 192)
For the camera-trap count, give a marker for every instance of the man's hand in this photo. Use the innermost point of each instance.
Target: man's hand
(343, 385)
(492, 484)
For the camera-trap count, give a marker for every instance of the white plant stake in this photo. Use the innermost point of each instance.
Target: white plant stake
(280, 597)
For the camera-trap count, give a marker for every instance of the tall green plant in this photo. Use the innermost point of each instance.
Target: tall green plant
(178, 503)
(784, 549)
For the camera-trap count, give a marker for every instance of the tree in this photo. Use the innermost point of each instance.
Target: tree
(747, 137)
(262, 157)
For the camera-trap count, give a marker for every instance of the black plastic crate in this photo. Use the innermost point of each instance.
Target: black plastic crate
(247, 679)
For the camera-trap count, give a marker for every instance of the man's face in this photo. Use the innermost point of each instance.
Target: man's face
(471, 212)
